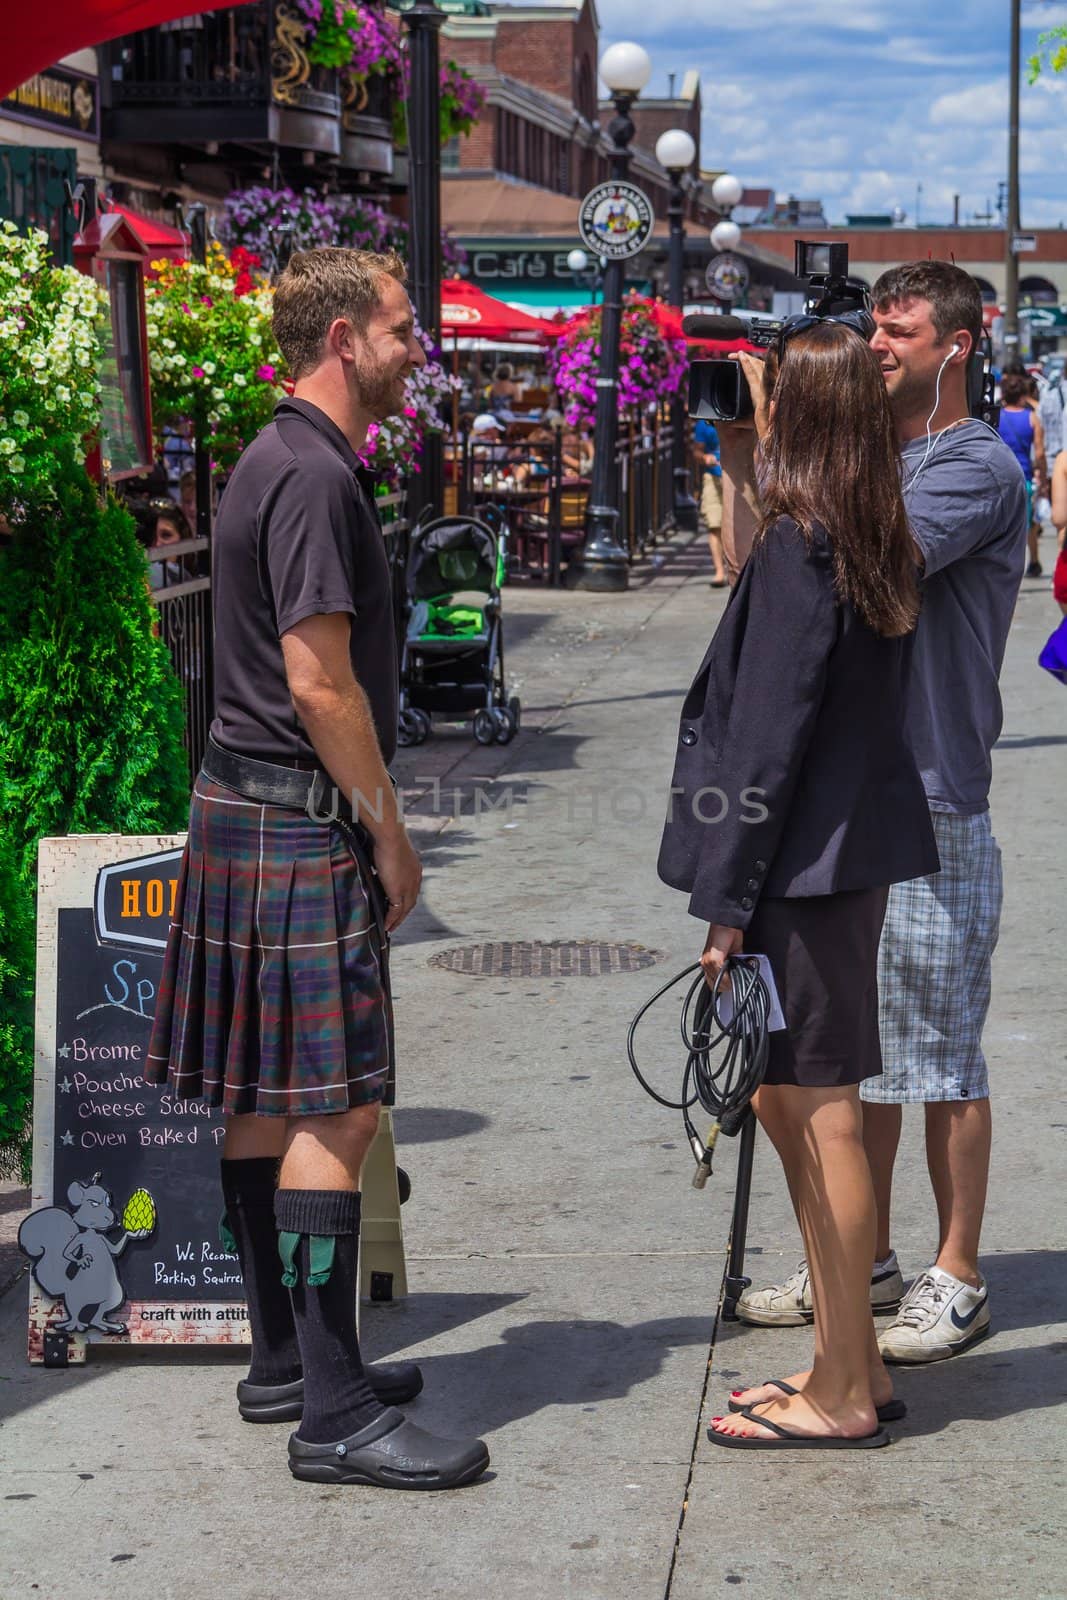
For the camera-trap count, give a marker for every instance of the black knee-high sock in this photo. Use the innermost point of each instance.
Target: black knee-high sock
(248, 1188)
(318, 1232)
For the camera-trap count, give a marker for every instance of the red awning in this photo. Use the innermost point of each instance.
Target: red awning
(467, 312)
(158, 238)
(45, 33)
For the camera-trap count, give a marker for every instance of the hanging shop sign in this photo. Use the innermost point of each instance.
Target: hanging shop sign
(727, 276)
(57, 98)
(616, 220)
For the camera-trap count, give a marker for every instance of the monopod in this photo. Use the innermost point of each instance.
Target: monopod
(724, 1029)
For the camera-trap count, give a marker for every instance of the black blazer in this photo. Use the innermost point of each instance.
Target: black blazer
(793, 775)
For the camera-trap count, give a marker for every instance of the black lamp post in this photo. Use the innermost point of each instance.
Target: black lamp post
(676, 151)
(602, 563)
(424, 21)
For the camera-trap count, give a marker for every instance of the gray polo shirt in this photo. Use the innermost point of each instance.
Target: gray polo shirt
(297, 536)
(967, 508)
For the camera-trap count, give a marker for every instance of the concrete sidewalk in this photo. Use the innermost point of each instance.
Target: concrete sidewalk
(564, 1274)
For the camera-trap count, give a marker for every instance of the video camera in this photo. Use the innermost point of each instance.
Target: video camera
(718, 390)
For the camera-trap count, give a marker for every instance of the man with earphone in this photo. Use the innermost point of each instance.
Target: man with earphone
(966, 501)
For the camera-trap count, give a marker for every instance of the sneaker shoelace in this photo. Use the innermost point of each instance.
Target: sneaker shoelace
(797, 1283)
(923, 1303)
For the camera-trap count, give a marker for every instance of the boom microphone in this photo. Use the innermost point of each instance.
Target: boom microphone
(702, 326)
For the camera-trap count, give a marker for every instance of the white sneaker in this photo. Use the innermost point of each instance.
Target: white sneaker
(788, 1305)
(939, 1316)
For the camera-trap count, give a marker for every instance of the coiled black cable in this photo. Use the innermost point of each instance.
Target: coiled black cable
(722, 1083)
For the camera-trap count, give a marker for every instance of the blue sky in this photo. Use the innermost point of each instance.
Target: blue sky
(858, 101)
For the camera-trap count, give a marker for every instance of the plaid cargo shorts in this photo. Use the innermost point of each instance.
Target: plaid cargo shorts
(934, 970)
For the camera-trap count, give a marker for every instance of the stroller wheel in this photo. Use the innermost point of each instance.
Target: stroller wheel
(407, 732)
(505, 728)
(423, 726)
(485, 727)
(515, 712)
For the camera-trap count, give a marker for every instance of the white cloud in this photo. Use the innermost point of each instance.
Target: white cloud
(1042, 16)
(975, 107)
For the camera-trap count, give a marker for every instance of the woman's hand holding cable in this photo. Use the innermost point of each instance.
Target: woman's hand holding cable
(721, 944)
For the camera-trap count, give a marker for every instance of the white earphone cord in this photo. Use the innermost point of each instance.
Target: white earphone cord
(931, 437)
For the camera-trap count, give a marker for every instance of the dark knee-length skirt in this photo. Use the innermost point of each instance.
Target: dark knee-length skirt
(273, 998)
(823, 952)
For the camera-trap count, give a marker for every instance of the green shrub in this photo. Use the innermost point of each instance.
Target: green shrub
(90, 723)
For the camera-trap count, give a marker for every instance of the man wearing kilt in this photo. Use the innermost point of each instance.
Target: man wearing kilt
(274, 1000)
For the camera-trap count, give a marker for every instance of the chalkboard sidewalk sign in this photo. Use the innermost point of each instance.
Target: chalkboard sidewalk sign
(123, 1235)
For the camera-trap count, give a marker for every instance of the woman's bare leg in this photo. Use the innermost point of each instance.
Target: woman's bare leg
(834, 1197)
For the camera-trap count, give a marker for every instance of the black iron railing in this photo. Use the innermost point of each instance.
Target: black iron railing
(181, 588)
(239, 60)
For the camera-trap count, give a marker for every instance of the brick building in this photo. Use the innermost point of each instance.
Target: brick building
(511, 189)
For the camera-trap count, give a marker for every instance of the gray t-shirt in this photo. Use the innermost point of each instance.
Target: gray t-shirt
(967, 508)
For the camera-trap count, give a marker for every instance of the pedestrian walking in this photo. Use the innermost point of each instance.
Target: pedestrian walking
(274, 1000)
(706, 442)
(1052, 407)
(799, 706)
(1020, 428)
(966, 504)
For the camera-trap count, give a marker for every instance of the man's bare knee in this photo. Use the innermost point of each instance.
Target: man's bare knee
(328, 1152)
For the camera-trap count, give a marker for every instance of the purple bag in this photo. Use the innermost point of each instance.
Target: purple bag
(1054, 656)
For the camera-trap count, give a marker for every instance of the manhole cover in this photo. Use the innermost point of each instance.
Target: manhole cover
(550, 958)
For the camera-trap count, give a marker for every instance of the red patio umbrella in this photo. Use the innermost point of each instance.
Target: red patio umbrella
(43, 34)
(468, 312)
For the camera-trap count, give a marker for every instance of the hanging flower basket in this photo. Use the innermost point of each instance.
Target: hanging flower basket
(652, 364)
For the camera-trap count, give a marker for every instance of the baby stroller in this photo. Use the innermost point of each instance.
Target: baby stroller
(452, 658)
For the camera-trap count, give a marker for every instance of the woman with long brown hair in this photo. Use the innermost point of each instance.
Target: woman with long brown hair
(796, 724)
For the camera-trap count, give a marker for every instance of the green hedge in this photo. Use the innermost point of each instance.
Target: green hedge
(90, 729)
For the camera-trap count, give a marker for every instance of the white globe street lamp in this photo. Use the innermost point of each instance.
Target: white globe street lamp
(577, 261)
(725, 235)
(625, 68)
(726, 191)
(675, 150)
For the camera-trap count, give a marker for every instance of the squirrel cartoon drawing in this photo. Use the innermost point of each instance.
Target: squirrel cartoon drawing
(74, 1260)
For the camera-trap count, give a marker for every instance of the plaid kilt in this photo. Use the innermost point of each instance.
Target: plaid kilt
(273, 998)
(935, 970)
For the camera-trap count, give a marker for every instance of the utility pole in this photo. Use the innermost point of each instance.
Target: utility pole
(1011, 260)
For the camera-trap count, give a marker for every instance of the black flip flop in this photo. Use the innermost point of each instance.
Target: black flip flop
(795, 1441)
(892, 1411)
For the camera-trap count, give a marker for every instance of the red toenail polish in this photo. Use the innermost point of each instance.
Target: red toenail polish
(716, 1419)
(735, 1392)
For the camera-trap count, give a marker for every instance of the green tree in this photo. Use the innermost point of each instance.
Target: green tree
(1051, 53)
(90, 726)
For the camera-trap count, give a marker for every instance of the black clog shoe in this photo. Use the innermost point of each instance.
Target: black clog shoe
(391, 1453)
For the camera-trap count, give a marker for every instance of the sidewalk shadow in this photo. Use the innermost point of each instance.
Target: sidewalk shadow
(571, 1362)
(428, 1124)
(383, 1329)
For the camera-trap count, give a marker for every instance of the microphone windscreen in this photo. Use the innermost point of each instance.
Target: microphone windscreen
(702, 326)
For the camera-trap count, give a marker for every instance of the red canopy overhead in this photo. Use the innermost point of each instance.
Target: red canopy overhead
(468, 312)
(45, 33)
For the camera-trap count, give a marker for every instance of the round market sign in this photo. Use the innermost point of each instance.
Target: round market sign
(727, 276)
(615, 220)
